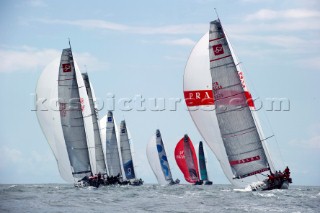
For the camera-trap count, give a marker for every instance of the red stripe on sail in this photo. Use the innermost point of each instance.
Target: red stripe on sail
(205, 98)
(198, 97)
(246, 160)
(216, 39)
(249, 99)
(220, 58)
(254, 173)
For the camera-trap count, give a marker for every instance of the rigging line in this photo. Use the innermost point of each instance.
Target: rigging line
(69, 42)
(282, 161)
(215, 10)
(268, 138)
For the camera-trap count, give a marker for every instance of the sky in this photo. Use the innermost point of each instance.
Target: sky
(139, 49)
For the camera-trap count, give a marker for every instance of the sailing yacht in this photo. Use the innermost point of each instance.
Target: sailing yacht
(69, 129)
(221, 107)
(186, 159)
(111, 147)
(126, 155)
(202, 165)
(158, 160)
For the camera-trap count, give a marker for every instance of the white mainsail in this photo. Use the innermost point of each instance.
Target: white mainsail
(126, 155)
(158, 161)
(99, 156)
(199, 99)
(112, 146)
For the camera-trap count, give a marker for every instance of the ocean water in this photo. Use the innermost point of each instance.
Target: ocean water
(154, 198)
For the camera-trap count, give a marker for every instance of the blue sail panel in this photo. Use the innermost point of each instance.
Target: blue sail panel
(129, 170)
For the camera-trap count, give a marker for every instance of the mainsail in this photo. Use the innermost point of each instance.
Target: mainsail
(112, 150)
(99, 156)
(71, 107)
(236, 123)
(202, 163)
(199, 99)
(158, 161)
(186, 159)
(126, 152)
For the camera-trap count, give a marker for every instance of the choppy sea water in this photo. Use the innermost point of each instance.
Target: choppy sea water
(154, 198)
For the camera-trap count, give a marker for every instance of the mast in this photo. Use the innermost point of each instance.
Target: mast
(237, 127)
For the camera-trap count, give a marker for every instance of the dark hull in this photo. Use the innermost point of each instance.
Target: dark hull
(136, 182)
(281, 184)
(177, 181)
(199, 182)
(207, 182)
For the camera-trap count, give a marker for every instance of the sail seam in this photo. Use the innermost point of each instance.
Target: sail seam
(222, 65)
(220, 58)
(216, 39)
(250, 128)
(218, 99)
(245, 152)
(240, 108)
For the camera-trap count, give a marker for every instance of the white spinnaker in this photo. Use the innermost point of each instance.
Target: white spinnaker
(48, 115)
(197, 77)
(153, 158)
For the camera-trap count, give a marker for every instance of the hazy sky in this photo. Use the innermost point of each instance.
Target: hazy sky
(134, 49)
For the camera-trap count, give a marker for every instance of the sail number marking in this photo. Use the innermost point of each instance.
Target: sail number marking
(66, 67)
(217, 49)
